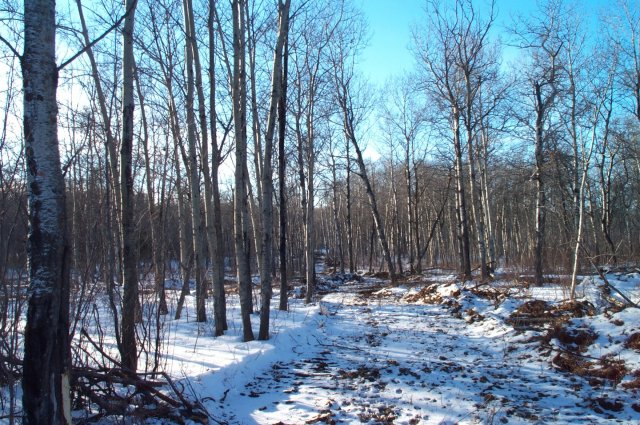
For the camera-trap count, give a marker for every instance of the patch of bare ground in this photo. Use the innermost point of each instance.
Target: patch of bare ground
(538, 313)
(324, 416)
(379, 415)
(598, 373)
(435, 293)
(633, 341)
(633, 384)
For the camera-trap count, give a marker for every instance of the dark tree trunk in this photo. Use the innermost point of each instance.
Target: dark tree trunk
(217, 247)
(541, 198)
(130, 305)
(241, 208)
(349, 222)
(192, 169)
(461, 204)
(282, 127)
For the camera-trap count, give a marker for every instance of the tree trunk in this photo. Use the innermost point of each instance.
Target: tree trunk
(130, 304)
(184, 236)
(377, 220)
(483, 160)
(334, 205)
(585, 170)
(155, 215)
(267, 175)
(541, 199)
(192, 168)
(309, 225)
(461, 203)
(46, 364)
(349, 222)
(241, 214)
(282, 127)
(476, 198)
(217, 245)
(397, 231)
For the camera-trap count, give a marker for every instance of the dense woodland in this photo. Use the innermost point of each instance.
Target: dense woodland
(203, 140)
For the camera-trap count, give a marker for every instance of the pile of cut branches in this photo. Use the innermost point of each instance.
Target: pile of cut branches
(105, 388)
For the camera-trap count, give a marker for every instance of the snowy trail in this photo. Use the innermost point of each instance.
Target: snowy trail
(380, 360)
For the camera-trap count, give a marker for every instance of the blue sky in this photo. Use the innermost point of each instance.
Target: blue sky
(390, 23)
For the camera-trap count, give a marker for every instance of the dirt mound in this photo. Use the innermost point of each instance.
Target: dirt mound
(633, 341)
(532, 314)
(574, 338)
(534, 308)
(538, 313)
(605, 369)
(576, 309)
(434, 294)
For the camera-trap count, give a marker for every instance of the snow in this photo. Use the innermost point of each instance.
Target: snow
(365, 354)
(431, 351)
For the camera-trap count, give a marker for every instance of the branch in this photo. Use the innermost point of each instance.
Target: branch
(13, 49)
(97, 40)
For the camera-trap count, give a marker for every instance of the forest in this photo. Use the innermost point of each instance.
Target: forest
(185, 181)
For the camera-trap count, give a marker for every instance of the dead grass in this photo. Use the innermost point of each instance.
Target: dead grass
(633, 342)
(604, 369)
(430, 295)
(573, 338)
(539, 313)
(635, 383)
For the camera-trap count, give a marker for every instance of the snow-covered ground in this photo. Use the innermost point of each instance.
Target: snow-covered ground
(370, 353)
(430, 350)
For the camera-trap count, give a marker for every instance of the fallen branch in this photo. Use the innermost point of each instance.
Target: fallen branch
(607, 283)
(102, 387)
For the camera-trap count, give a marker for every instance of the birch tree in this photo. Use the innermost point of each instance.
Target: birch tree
(46, 363)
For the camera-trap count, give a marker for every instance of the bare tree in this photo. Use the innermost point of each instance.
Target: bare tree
(241, 209)
(130, 304)
(541, 37)
(437, 49)
(282, 198)
(47, 364)
(317, 28)
(267, 171)
(474, 62)
(193, 164)
(350, 99)
(405, 116)
(214, 219)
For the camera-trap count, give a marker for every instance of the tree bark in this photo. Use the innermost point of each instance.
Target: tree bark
(155, 214)
(349, 222)
(377, 220)
(282, 127)
(267, 174)
(541, 199)
(217, 245)
(46, 366)
(241, 213)
(192, 168)
(461, 203)
(130, 304)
